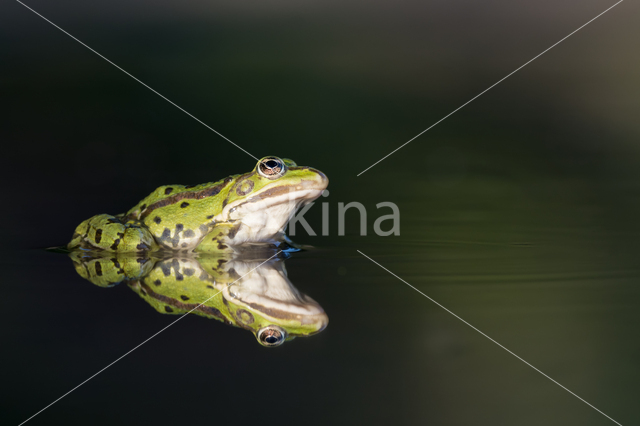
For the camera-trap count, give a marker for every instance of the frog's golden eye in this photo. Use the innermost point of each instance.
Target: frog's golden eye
(271, 167)
(271, 335)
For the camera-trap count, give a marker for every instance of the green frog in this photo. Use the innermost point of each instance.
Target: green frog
(216, 217)
(244, 292)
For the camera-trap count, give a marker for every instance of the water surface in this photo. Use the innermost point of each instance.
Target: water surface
(519, 213)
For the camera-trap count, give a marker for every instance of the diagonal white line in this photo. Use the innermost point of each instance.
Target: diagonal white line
(489, 88)
(494, 341)
(170, 324)
(144, 84)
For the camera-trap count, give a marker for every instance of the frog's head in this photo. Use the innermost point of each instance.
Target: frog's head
(262, 202)
(265, 302)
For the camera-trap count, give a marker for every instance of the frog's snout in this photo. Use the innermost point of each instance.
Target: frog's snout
(321, 179)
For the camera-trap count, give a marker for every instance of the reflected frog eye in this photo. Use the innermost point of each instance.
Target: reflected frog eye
(271, 167)
(271, 335)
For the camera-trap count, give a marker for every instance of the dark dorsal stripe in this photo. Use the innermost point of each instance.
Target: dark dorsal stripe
(209, 310)
(187, 195)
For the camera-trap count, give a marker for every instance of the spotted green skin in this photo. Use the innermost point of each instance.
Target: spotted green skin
(107, 271)
(180, 292)
(191, 218)
(202, 286)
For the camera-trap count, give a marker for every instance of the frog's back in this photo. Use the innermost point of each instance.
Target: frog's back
(170, 195)
(179, 216)
(161, 193)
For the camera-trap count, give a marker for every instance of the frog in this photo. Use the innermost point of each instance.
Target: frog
(214, 217)
(245, 292)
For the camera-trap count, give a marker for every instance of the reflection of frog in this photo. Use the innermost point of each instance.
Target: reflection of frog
(212, 217)
(243, 293)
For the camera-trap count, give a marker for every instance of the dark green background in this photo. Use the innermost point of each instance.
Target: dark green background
(518, 213)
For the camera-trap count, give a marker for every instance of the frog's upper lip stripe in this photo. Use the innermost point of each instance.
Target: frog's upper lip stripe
(304, 310)
(306, 318)
(281, 194)
(304, 185)
(293, 193)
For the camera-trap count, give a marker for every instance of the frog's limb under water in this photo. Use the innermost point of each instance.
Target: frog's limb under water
(218, 239)
(106, 232)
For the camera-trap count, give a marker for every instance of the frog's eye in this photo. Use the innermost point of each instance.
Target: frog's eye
(271, 335)
(271, 168)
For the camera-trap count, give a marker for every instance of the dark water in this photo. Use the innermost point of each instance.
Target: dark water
(518, 213)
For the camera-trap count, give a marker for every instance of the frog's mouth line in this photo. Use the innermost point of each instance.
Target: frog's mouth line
(306, 189)
(297, 196)
(302, 196)
(304, 309)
